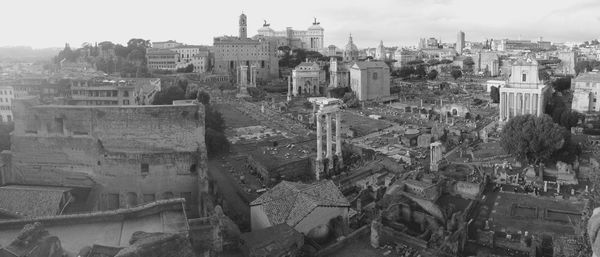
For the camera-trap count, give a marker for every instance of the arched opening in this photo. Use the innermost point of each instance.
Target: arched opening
(307, 85)
(131, 199)
(193, 168)
(454, 112)
(299, 90)
(167, 195)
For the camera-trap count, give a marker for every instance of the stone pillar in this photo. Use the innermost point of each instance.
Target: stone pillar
(375, 230)
(289, 92)
(531, 103)
(502, 106)
(328, 138)
(338, 138)
(522, 103)
(319, 137)
(515, 104)
(435, 155)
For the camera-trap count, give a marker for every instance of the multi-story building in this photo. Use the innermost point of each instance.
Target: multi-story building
(339, 74)
(161, 59)
(524, 93)
(6, 99)
(233, 52)
(311, 39)
(198, 56)
(403, 57)
(113, 91)
(166, 44)
(460, 42)
(586, 91)
(429, 43)
(370, 80)
(111, 156)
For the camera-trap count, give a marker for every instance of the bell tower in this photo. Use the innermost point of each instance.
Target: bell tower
(243, 27)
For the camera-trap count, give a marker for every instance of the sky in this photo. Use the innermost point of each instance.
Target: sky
(52, 23)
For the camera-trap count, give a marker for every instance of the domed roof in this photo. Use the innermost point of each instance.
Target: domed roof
(351, 46)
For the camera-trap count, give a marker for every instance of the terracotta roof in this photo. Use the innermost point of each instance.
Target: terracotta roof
(290, 202)
(32, 201)
(588, 77)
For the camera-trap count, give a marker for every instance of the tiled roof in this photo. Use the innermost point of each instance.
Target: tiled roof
(588, 77)
(290, 202)
(271, 240)
(32, 201)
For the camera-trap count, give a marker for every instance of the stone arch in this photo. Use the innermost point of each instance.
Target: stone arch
(131, 199)
(454, 112)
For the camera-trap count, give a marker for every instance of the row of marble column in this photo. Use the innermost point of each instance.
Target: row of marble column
(242, 75)
(522, 103)
(338, 136)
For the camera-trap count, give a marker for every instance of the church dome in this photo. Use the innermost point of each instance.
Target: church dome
(351, 47)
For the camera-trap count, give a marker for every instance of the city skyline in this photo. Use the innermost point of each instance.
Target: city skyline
(397, 23)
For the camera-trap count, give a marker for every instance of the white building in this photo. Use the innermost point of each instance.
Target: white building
(305, 207)
(6, 98)
(311, 39)
(307, 78)
(166, 44)
(198, 56)
(370, 80)
(403, 57)
(524, 93)
(586, 88)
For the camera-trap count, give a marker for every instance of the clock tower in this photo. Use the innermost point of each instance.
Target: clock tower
(243, 27)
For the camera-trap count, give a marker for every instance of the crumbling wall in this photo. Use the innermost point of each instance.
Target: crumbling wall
(139, 153)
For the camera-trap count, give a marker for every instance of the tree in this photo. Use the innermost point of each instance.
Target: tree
(406, 71)
(433, 62)
(169, 95)
(495, 94)
(416, 62)
(543, 75)
(214, 119)
(351, 100)
(531, 138)
(446, 61)
(420, 71)
(203, 97)
(562, 84)
(569, 119)
(432, 75)
(216, 143)
(456, 74)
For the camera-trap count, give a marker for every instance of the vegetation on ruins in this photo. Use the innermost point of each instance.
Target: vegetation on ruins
(532, 139)
(129, 60)
(432, 75)
(456, 73)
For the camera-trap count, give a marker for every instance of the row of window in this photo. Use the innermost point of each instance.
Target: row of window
(5, 119)
(5, 92)
(4, 100)
(5, 107)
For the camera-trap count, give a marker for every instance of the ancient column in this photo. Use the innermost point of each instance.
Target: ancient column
(329, 139)
(522, 103)
(319, 137)
(338, 137)
(531, 103)
(502, 106)
(289, 93)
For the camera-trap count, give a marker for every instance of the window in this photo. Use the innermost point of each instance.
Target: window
(126, 93)
(149, 198)
(112, 201)
(524, 77)
(374, 75)
(145, 168)
(8, 118)
(59, 125)
(125, 102)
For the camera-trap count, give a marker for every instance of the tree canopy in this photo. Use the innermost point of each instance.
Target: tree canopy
(531, 138)
(167, 96)
(562, 84)
(456, 74)
(432, 74)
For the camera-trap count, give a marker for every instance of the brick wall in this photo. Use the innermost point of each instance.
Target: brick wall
(152, 151)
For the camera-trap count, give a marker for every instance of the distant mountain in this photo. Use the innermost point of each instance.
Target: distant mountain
(26, 53)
